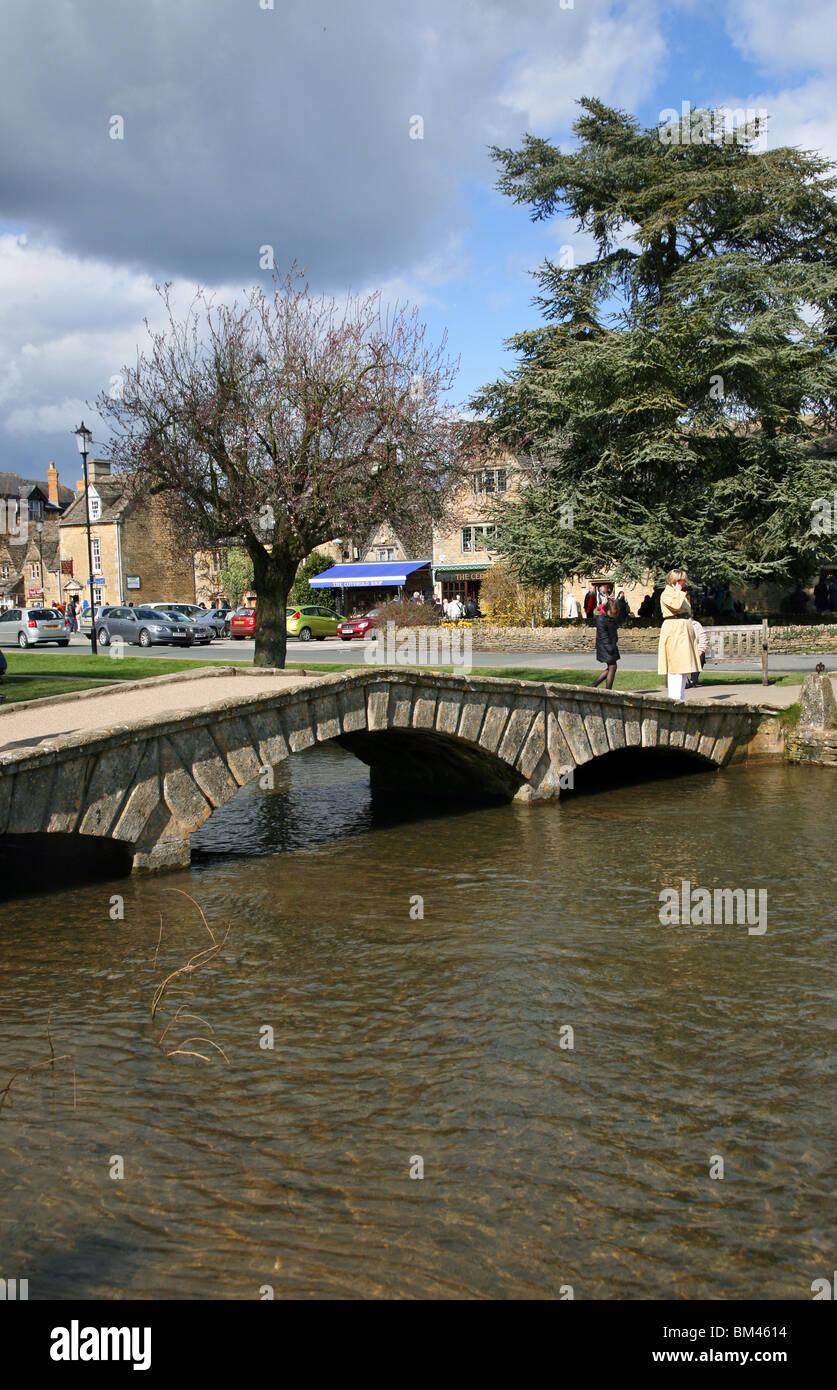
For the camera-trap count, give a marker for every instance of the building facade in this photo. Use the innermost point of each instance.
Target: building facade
(135, 554)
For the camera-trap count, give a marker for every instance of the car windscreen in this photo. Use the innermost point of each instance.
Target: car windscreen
(43, 613)
(146, 613)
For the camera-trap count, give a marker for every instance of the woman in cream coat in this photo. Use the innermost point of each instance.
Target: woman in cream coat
(677, 655)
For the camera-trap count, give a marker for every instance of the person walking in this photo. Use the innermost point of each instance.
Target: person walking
(607, 650)
(677, 653)
(591, 600)
(702, 646)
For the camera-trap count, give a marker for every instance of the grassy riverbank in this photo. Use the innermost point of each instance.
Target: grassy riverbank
(39, 675)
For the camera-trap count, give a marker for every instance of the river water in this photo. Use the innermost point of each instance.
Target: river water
(443, 1037)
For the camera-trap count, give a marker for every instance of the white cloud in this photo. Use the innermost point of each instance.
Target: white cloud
(784, 35)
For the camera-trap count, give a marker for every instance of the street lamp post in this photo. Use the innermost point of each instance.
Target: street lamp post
(40, 529)
(83, 438)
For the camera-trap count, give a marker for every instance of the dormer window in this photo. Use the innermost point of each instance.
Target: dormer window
(94, 504)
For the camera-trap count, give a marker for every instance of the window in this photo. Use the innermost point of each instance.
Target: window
(34, 570)
(489, 480)
(386, 552)
(36, 509)
(477, 538)
(4, 571)
(96, 546)
(94, 504)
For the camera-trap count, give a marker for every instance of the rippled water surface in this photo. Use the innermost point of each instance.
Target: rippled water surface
(396, 1036)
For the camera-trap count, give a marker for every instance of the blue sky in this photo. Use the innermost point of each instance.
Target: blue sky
(245, 126)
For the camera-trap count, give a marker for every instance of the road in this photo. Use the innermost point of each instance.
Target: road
(353, 654)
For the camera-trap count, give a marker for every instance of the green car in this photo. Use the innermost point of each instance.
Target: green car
(312, 621)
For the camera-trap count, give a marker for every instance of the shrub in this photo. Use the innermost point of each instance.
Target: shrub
(404, 613)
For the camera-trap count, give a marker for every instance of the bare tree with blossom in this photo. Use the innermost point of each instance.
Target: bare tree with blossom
(285, 421)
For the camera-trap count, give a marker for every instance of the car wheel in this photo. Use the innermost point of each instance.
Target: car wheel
(22, 640)
(104, 637)
(145, 638)
(304, 634)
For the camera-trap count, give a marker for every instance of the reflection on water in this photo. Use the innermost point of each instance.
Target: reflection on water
(396, 1034)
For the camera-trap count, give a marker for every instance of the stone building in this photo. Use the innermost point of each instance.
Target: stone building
(30, 571)
(136, 557)
(462, 548)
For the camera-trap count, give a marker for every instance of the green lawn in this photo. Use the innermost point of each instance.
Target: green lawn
(36, 675)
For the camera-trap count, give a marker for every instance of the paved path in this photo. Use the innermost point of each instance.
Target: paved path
(158, 696)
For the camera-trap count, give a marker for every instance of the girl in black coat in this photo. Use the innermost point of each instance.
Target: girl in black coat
(606, 634)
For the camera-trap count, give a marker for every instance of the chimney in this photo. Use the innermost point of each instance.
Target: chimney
(52, 483)
(97, 469)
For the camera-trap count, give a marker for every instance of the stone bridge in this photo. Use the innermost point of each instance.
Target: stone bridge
(152, 781)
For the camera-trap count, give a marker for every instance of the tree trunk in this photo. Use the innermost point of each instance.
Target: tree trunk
(273, 576)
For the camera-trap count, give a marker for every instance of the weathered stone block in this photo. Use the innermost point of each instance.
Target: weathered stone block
(111, 776)
(424, 707)
(325, 717)
(352, 706)
(534, 747)
(143, 799)
(67, 798)
(471, 717)
(6, 788)
(188, 806)
(817, 701)
(377, 708)
(447, 712)
(31, 799)
(517, 729)
(571, 723)
(197, 750)
(494, 723)
(615, 729)
(268, 737)
(400, 706)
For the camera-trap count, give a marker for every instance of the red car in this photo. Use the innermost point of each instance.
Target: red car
(243, 623)
(357, 627)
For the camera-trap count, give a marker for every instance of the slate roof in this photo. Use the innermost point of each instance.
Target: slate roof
(115, 497)
(13, 485)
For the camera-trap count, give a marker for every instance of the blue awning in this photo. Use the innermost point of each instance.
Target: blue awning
(388, 574)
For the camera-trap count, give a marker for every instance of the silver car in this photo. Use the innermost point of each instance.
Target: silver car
(199, 633)
(30, 627)
(143, 627)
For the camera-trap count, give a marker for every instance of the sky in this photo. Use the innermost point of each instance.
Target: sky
(293, 125)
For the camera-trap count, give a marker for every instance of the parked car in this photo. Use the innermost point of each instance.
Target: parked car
(29, 627)
(243, 623)
(200, 633)
(358, 627)
(312, 621)
(144, 627)
(219, 620)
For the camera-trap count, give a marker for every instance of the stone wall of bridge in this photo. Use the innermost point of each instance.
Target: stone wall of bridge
(152, 782)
